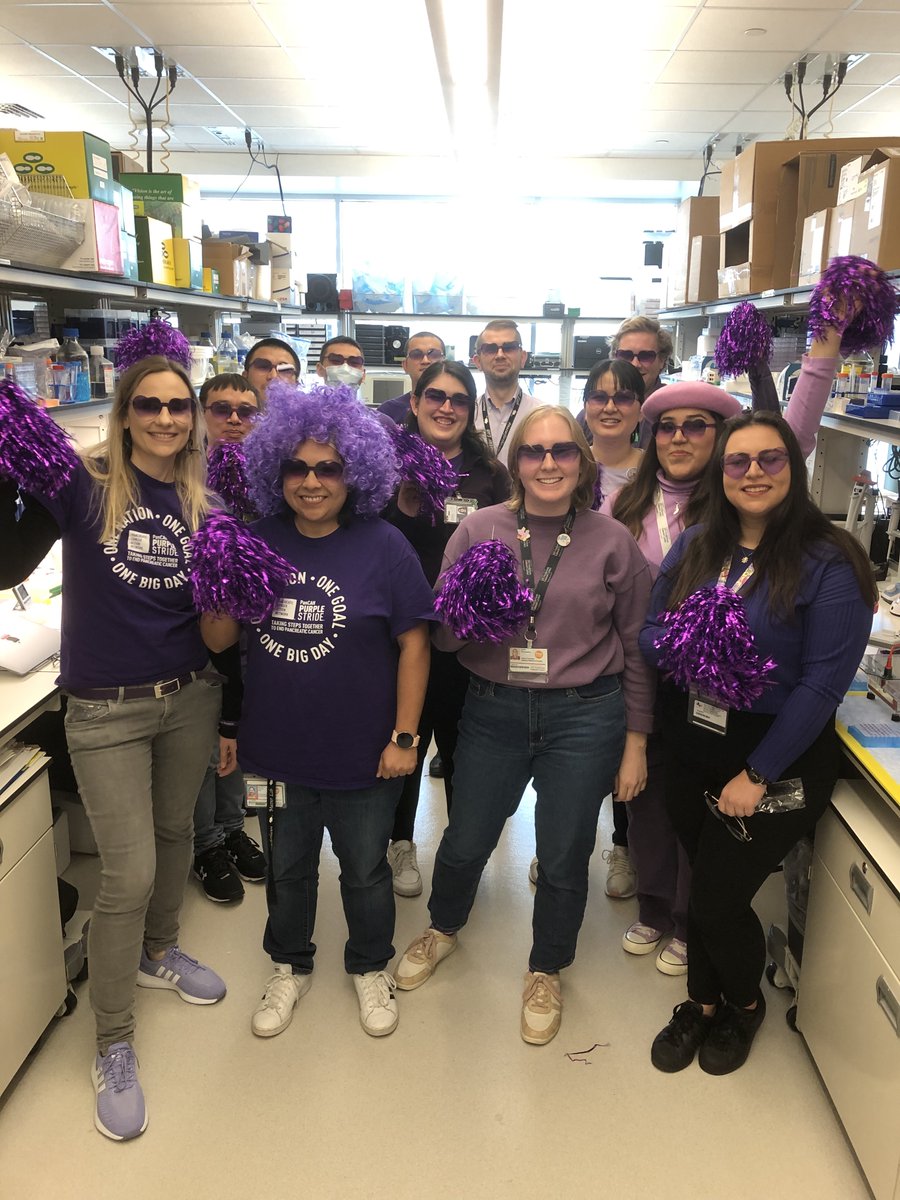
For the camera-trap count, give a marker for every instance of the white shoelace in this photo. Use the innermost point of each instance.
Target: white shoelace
(280, 990)
(378, 989)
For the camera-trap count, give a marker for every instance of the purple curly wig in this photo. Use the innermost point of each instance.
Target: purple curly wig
(332, 415)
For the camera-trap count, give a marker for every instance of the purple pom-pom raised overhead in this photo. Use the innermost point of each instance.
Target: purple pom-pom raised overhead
(855, 297)
(482, 598)
(34, 451)
(156, 337)
(226, 475)
(426, 468)
(745, 341)
(234, 572)
(708, 645)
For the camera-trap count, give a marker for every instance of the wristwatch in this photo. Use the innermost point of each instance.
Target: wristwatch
(406, 741)
(755, 777)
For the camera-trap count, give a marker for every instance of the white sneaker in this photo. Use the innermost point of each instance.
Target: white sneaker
(541, 1008)
(401, 858)
(377, 1003)
(641, 939)
(421, 957)
(532, 871)
(621, 879)
(276, 1009)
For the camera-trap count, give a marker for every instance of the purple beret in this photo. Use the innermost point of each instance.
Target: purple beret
(690, 395)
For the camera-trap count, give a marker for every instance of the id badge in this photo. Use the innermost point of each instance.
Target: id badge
(457, 508)
(528, 663)
(258, 791)
(706, 714)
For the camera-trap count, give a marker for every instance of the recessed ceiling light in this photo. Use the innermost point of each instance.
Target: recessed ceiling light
(755, 31)
(662, 141)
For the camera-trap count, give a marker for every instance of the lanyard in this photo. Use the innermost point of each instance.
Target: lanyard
(507, 428)
(742, 580)
(539, 591)
(662, 520)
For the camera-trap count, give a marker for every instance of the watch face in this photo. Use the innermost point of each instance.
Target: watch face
(405, 741)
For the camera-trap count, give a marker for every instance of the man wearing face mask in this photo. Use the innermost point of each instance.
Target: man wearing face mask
(422, 349)
(341, 361)
(502, 404)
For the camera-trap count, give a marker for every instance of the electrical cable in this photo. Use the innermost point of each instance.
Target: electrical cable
(892, 464)
(261, 161)
(708, 169)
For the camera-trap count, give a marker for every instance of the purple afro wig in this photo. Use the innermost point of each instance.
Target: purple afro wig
(332, 415)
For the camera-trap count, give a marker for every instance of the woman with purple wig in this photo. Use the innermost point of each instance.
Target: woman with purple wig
(334, 686)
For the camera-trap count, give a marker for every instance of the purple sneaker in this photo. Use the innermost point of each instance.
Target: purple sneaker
(120, 1112)
(178, 972)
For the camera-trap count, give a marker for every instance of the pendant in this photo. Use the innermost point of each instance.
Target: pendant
(523, 534)
(563, 539)
(745, 560)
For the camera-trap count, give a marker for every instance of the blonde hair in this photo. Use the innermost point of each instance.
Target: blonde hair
(641, 324)
(583, 495)
(109, 464)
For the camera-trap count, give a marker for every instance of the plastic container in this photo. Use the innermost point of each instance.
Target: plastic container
(73, 355)
(103, 374)
(227, 354)
(201, 363)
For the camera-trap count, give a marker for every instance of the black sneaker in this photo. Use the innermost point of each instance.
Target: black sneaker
(674, 1047)
(436, 767)
(220, 880)
(731, 1037)
(246, 857)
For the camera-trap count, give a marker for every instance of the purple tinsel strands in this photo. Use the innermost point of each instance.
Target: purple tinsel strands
(234, 572)
(598, 494)
(34, 450)
(482, 599)
(156, 337)
(845, 280)
(426, 468)
(708, 645)
(745, 340)
(226, 475)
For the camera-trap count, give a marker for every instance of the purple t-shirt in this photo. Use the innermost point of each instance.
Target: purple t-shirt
(397, 408)
(320, 689)
(128, 615)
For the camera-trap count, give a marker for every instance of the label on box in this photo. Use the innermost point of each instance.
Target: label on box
(876, 198)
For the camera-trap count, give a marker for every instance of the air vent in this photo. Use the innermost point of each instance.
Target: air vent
(19, 110)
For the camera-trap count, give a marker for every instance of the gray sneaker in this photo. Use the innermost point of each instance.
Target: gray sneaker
(401, 858)
(178, 972)
(120, 1112)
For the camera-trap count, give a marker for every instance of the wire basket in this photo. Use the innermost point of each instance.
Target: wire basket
(41, 234)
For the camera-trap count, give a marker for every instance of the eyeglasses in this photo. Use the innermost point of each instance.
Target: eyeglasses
(644, 357)
(459, 401)
(285, 370)
(338, 360)
(622, 399)
(152, 406)
(694, 429)
(772, 462)
(734, 825)
(243, 412)
(491, 348)
(431, 355)
(296, 468)
(560, 452)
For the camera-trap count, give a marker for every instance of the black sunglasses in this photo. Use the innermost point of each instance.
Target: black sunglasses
(296, 468)
(152, 406)
(621, 399)
(693, 429)
(286, 370)
(560, 452)
(643, 356)
(338, 360)
(491, 348)
(734, 825)
(431, 355)
(459, 401)
(243, 412)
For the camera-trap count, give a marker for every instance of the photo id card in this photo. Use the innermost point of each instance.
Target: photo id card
(528, 663)
(457, 508)
(258, 790)
(706, 714)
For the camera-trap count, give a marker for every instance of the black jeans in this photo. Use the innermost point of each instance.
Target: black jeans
(727, 948)
(444, 699)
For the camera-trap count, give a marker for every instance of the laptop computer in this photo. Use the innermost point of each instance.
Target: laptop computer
(24, 644)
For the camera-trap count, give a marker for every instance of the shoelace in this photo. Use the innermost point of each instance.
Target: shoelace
(378, 991)
(176, 960)
(119, 1070)
(279, 990)
(540, 994)
(404, 860)
(423, 948)
(218, 863)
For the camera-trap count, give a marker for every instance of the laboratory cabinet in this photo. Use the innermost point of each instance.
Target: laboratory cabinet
(848, 1007)
(32, 966)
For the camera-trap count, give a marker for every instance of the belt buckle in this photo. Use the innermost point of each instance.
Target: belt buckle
(168, 687)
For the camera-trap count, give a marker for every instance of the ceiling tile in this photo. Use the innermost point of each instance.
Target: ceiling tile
(788, 32)
(860, 99)
(687, 121)
(250, 62)
(233, 25)
(78, 24)
(196, 114)
(23, 60)
(752, 124)
(861, 125)
(581, 33)
(694, 66)
(769, 4)
(699, 96)
(875, 69)
(276, 91)
(84, 60)
(7, 37)
(72, 90)
(861, 31)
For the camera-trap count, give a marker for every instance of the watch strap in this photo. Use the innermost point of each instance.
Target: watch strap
(755, 777)
(399, 733)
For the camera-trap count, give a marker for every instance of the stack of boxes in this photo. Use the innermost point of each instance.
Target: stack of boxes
(289, 283)
(169, 228)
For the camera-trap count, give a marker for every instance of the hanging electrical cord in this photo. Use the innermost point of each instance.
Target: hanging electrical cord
(831, 82)
(261, 161)
(892, 464)
(708, 168)
(132, 70)
(166, 135)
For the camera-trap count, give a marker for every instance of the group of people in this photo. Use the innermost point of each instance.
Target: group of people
(613, 520)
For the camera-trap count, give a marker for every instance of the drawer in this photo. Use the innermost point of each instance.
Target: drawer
(861, 881)
(23, 820)
(848, 1011)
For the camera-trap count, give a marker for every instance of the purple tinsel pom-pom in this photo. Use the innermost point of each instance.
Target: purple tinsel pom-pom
(156, 337)
(482, 599)
(34, 451)
(708, 645)
(426, 468)
(234, 572)
(850, 279)
(745, 340)
(226, 475)
(598, 494)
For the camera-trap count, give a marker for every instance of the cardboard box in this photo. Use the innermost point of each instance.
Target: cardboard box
(154, 259)
(174, 199)
(813, 248)
(840, 230)
(210, 280)
(232, 261)
(124, 164)
(702, 271)
(124, 202)
(187, 260)
(81, 159)
(101, 250)
(876, 215)
(849, 187)
(697, 216)
(735, 280)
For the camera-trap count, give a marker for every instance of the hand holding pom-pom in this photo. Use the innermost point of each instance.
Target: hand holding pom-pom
(745, 341)
(424, 467)
(855, 297)
(34, 451)
(482, 599)
(234, 572)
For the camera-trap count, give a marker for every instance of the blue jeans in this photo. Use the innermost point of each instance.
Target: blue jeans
(220, 805)
(570, 742)
(360, 824)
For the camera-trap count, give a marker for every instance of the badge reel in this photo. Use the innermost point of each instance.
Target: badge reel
(258, 790)
(706, 714)
(457, 508)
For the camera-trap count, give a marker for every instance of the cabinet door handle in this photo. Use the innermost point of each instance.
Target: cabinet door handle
(861, 887)
(1, 850)
(888, 1003)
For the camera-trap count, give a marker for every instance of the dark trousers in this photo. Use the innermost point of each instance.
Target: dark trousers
(727, 949)
(663, 871)
(444, 699)
(620, 823)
